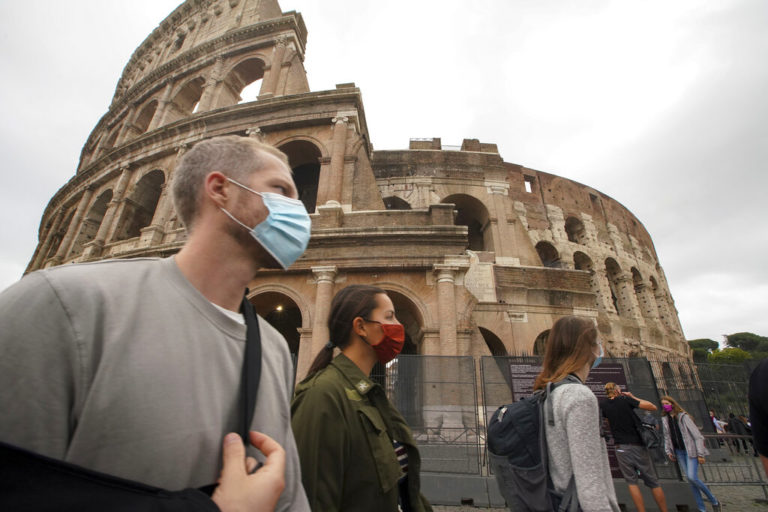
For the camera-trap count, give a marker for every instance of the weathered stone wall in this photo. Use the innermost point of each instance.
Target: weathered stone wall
(479, 255)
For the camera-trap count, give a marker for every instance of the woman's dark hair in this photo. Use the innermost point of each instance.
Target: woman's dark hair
(569, 347)
(357, 300)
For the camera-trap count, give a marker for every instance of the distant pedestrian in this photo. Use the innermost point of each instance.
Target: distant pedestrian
(739, 428)
(631, 453)
(758, 410)
(684, 443)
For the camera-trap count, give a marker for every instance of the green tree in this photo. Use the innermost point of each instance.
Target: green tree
(747, 341)
(729, 355)
(702, 347)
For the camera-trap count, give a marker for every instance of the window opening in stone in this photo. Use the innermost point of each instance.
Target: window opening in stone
(529, 180)
(282, 313)
(613, 273)
(494, 343)
(141, 204)
(144, 118)
(183, 104)
(473, 214)
(304, 159)
(540, 343)
(548, 255)
(91, 223)
(233, 87)
(396, 203)
(575, 230)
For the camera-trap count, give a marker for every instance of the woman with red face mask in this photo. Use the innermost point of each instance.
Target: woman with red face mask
(356, 450)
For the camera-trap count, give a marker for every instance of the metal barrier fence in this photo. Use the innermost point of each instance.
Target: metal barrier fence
(447, 401)
(437, 395)
(739, 468)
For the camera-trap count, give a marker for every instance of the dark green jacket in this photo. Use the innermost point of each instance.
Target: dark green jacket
(344, 425)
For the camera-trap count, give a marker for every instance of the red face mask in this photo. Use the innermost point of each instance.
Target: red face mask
(392, 342)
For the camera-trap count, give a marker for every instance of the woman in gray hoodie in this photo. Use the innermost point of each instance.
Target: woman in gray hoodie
(684, 443)
(576, 450)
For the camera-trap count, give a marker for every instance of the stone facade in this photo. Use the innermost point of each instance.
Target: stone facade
(480, 256)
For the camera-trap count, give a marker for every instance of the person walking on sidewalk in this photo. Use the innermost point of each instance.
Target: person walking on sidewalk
(684, 443)
(631, 453)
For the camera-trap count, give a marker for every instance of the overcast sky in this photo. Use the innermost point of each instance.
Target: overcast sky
(661, 105)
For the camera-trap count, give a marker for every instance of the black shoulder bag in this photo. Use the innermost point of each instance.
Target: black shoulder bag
(30, 481)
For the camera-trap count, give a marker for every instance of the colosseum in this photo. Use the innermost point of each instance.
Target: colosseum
(479, 255)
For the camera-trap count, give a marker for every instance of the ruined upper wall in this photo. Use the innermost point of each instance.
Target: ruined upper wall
(195, 23)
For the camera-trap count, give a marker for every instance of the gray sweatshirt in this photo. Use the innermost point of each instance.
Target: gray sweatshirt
(124, 367)
(576, 448)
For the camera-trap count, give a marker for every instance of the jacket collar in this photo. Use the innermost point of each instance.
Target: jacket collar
(354, 375)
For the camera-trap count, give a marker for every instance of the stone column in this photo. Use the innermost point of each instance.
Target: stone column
(604, 302)
(446, 307)
(502, 243)
(162, 107)
(647, 301)
(125, 130)
(74, 227)
(304, 357)
(269, 85)
(625, 286)
(324, 278)
(108, 223)
(153, 234)
(336, 175)
(208, 98)
(324, 181)
(46, 245)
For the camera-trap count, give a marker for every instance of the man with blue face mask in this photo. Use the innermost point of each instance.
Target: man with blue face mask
(134, 367)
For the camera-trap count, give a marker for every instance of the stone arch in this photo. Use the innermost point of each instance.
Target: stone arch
(575, 230)
(91, 222)
(144, 118)
(582, 262)
(246, 73)
(59, 235)
(409, 315)
(644, 299)
(540, 343)
(140, 205)
(282, 313)
(473, 214)
(396, 203)
(494, 343)
(185, 101)
(111, 139)
(548, 255)
(304, 159)
(295, 297)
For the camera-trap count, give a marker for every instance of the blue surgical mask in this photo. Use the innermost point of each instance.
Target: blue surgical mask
(285, 232)
(599, 358)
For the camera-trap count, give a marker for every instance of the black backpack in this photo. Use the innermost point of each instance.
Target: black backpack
(517, 451)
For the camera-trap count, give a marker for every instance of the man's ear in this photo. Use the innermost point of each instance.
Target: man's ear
(217, 189)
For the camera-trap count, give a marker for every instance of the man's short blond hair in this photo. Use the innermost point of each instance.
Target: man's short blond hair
(611, 388)
(235, 157)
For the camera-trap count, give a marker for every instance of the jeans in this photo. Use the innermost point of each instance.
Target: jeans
(690, 468)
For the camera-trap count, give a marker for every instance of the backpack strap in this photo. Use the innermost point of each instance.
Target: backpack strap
(251, 368)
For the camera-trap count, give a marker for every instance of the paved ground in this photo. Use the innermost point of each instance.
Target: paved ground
(748, 498)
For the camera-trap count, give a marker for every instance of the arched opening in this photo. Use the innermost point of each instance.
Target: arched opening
(396, 203)
(304, 159)
(141, 204)
(494, 343)
(644, 299)
(574, 228)
(186, 100)
(548, 255)
(109, 143)
(59, 235)
(91, 223)
(242, 84)
(142, 121)
(613, 272)
(407, 372)
(283, 314)
(540, 343)
(473, 214)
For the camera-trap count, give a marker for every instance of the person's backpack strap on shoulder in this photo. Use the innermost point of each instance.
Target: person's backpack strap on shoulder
(567, 501)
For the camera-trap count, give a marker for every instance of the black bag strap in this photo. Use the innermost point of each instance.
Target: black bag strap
(251, 367)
